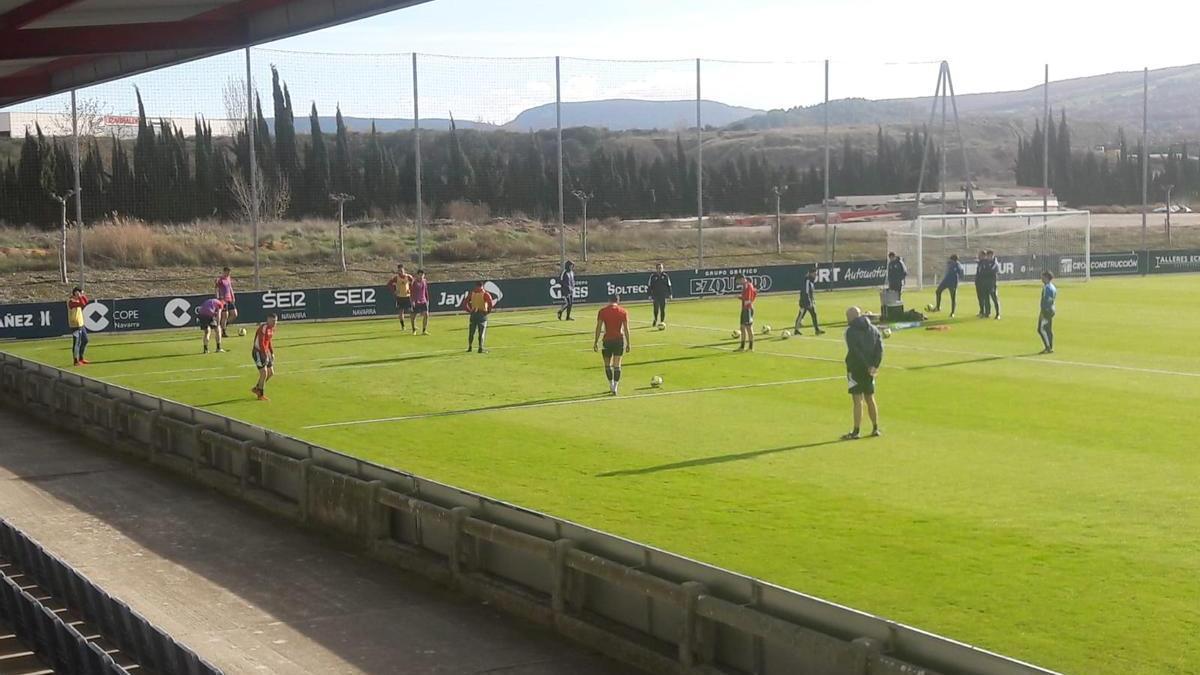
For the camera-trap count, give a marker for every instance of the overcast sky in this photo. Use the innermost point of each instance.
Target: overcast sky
(877, 48)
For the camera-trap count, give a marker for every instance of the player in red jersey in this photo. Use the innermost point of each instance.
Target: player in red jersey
(749, 294)
(613, 320)
(263, 354)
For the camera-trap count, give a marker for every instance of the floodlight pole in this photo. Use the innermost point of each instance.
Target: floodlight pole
(1046, 142)
(829, 251)
(253, 169)
(699, 176)
(1145, 155)
(78, 192)
(417, 165)
(562, 220)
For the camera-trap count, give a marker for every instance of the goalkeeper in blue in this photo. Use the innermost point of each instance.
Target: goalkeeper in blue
(1046, 314)
(954, 274)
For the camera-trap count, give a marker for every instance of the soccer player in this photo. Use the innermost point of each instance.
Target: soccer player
(566, 285)
(420, 298)
(660, 291)
(225, 294)
(953, 274)
(896, 273)
(210, 314)
(401, 286)
(478, 304)
(808, 302)
(263, 354)
(746, 322)
(993, 282)
(981, 272)
(75, 319)
(864, 354)
(613, 320)
(1046, 315)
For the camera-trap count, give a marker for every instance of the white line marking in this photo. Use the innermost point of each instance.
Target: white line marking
(598, 399)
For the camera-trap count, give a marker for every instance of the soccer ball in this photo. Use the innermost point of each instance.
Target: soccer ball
(930, 307)
(886, 332)
(662, 326)
(242, 332)
(766, 330)
(785, 334)
(735, 335)
(656, 381)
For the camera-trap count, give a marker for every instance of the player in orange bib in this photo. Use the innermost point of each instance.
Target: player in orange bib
(613, 321)
(263, 353)
(749, 295)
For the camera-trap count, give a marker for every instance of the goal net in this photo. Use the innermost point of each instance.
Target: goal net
(1026, 244)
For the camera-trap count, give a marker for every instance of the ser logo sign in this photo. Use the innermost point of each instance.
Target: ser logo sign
(295, 301)
(360, 300)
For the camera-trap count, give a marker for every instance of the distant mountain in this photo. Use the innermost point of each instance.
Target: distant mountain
(629, 114)
(1112, 100)
(383, 125)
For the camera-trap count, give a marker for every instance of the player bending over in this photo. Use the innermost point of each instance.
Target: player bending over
(75, 319)
(420, 298)
(954, 274)
(225, 294)
(613, 320)
(1046, 315)
(401, 286)
(566, 284)
(210, 314)
(864, 354)
(478, 304)
(660, 291)
(808, 302)
(749, 294)
(263, 353)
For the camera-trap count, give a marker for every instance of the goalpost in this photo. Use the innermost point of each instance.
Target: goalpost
(1026, 244)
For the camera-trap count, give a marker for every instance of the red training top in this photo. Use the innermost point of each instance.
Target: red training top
(263, 337)
(749, 293)
(614, 316)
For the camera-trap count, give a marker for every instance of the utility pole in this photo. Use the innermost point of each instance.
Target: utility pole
(583, 198)
(779, 190)
(829, 251)
(78, 191)
(1169, 188)
(341, 198)
(1145, 154)
(562, 216)
(250, 114)
(62, 251)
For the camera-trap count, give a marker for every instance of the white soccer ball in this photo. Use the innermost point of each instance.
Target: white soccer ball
(735, 335)
(662, 326)
(785, 334)
(242, 332)
(929, 307)
(887, 332)
(766, 330)
(656, 381)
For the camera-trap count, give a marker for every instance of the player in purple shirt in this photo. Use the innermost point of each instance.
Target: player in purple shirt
(420, 299)
(225, 294)
(209, 314)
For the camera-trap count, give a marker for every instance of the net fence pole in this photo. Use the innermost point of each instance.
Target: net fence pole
(1087, 248)
(1045, 163)
(253, 169)
(420, 211)
(829, 251)
(78, 192)
(1145, 155)
(920, 253)
(562, 222)
(699, 175)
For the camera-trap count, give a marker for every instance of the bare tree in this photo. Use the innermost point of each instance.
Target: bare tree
(274, 198)
(233, 95)
(95, 119)
(62, 248)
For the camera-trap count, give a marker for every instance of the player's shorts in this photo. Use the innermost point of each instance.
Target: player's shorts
(479, 318)
(860, 381)
(230, 305)
(613, 347)
(262, 360)
(421, 308)
(206, 322)
(403, 304)
(747, 316)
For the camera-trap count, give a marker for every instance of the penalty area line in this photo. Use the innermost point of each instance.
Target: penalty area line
(599, 398)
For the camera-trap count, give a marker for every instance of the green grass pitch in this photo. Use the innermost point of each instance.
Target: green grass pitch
(1046, 507)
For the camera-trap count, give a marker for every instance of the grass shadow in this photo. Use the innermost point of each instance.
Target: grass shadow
(397, 359)
(967, 362)
(716, 459)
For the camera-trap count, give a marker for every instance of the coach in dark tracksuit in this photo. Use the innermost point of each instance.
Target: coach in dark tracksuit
(954, 273)
(896, 273)
(993, 287)
(660, 290)
(864, 354)
(566, 284)
(808, 302)
(981, 284)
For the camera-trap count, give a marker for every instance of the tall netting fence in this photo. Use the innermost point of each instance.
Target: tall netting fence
(346, 164)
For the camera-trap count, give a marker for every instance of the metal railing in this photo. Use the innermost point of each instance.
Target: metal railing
(649, 608)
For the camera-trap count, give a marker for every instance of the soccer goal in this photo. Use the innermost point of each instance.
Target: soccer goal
(1025, 243)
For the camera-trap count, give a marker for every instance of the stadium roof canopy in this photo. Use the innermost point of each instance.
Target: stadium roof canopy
(51, 46)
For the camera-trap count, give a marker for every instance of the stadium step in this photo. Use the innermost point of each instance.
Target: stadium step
(16, 658)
